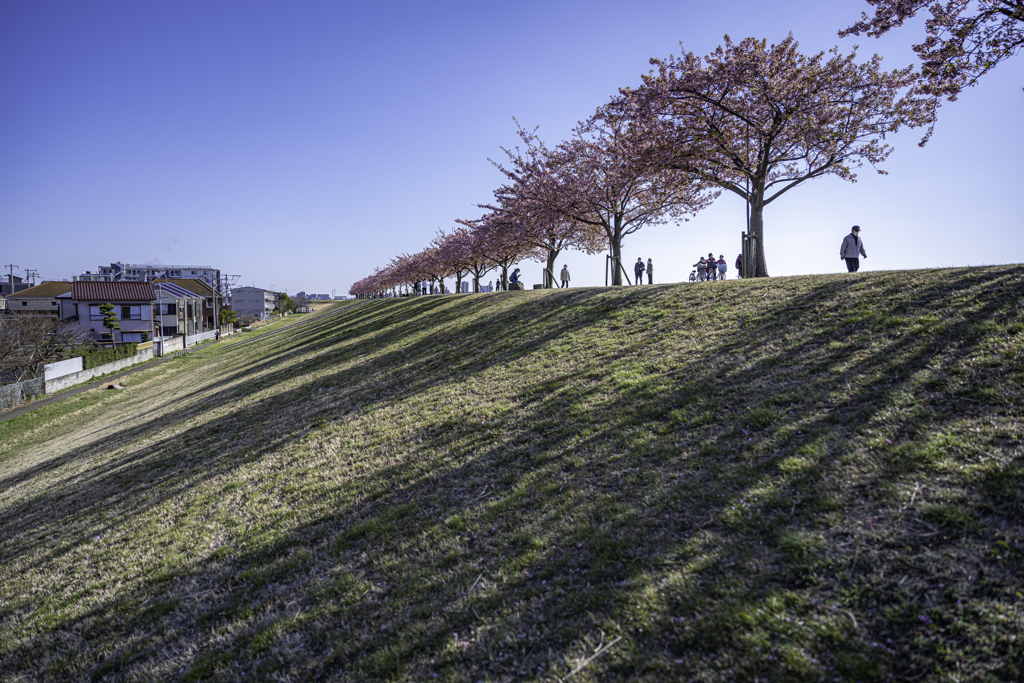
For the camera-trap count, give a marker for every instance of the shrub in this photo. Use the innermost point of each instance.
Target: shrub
(92, 359)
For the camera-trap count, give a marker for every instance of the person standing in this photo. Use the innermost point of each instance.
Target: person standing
(650, 272)
(565, 275)
(739, 265)
(851, 249)
(638, 271)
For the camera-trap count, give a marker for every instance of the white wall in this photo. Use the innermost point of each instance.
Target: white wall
(61, 368)
(67, 381)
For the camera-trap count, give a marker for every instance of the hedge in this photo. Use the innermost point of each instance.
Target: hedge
(92, 359)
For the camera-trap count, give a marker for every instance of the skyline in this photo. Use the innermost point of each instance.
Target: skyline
(302, 147)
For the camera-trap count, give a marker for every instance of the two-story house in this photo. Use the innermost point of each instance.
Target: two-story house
(177, 311)
(211, 300)
(133, 305)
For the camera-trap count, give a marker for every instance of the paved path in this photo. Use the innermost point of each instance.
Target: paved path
(111, 379)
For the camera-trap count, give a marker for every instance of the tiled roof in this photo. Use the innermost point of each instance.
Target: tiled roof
(46, 290)
(112, 291)
(192, 284)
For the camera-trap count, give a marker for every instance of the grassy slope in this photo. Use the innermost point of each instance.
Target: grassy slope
(789, 479)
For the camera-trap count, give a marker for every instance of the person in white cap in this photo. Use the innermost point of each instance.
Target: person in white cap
(851, 249)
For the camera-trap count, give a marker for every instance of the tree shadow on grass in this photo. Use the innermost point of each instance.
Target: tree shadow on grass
(588, 503)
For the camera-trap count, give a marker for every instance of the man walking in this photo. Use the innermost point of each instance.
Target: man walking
(565, 275)
(650, 272)
(638, 271)
(851, 248)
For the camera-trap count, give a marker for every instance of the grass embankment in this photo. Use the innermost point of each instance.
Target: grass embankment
(792, 479)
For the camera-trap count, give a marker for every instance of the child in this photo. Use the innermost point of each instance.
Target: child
(702, 269)
(722, 267)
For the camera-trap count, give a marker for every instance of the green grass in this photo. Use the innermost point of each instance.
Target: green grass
(826, 483)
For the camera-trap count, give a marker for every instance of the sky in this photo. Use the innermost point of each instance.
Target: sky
(301, 144)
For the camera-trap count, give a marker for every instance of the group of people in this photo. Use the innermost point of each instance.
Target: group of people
(711, 268)
(708, 268)
(638, 271)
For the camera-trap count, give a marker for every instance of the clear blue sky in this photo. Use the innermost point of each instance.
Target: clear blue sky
(301, 144)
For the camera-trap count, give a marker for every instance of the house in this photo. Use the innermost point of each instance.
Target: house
(178, 311)
(51, 299)
(13, 285)
(253, 301)
(133, 305)
(211, 299)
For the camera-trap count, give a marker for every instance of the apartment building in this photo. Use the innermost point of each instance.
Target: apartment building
(253, 301)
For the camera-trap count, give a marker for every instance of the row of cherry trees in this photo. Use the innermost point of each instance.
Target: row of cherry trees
(751, 118)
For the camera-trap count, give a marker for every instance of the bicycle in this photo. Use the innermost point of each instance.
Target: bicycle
(693, 276)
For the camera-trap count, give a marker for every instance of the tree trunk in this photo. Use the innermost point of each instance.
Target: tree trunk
(550, 279)
(615, 249)
(504, 278)
(757, 230)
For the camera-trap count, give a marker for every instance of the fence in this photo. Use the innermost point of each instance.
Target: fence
(194, 339)
(13, 395)
(66, 381)
(52, 371)
(168, 345)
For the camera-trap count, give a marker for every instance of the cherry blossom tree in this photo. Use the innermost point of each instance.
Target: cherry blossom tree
(759, 120)
(540, 225)
(604, 178)
(964, 39)
(479, 265)
(499, 240)
(455, 252)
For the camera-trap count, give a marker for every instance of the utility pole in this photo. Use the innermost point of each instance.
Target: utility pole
(12, 267)
(31, 274)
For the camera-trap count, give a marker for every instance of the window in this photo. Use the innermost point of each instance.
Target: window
(53, 303)
(24, 303)
(131, 313)
(94, 312)
(129, 337)
(169, 330)
(168, 309)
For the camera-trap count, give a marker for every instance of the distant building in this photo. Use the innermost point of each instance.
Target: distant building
(12, 284)
(144, 272)
(253, 301)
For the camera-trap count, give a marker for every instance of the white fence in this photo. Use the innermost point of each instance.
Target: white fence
(52, 371)
(168, 345)
(67, 381)
(194, 339)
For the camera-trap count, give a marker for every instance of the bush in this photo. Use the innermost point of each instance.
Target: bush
(92, 359)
